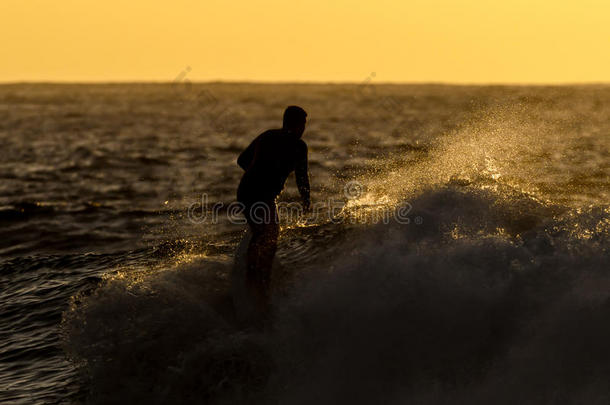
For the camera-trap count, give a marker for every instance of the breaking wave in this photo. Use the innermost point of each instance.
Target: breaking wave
(493, 296)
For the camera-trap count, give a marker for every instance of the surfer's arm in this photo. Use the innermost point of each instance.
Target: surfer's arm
(302, 176)
(245, 159)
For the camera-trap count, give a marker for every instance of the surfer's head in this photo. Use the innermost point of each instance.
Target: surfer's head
(294, 120)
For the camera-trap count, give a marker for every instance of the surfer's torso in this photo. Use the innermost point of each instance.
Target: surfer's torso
(268, 162)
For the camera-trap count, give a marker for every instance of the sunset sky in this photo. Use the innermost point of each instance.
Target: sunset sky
(466, 41)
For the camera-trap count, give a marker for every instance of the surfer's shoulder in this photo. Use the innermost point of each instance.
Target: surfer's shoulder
(273, 132)
(270, 134)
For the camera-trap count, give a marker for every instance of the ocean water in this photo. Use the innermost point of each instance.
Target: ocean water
(464, 260)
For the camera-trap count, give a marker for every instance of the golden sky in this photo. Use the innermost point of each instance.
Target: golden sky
(465, 41)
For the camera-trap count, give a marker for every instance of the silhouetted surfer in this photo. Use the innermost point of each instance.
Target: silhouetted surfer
(267, 162)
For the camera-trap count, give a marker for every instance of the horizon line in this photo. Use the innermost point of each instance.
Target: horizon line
(303, 82)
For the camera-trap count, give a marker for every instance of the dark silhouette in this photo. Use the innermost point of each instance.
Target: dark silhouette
(267, 162)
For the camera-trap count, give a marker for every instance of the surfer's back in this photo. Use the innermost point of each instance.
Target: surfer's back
(268, 161)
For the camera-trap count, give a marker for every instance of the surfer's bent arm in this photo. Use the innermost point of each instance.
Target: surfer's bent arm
(302, 177)
(245, 159)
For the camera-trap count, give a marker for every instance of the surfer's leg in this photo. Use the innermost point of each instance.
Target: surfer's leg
(260, 258)
(268, 249)
(254, 280)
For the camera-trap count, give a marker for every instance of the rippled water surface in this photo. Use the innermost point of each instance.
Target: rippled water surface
(497, 289)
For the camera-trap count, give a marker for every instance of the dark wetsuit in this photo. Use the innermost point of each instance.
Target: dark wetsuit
(268, 161)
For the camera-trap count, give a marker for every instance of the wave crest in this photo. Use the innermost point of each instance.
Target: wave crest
(489, 299)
